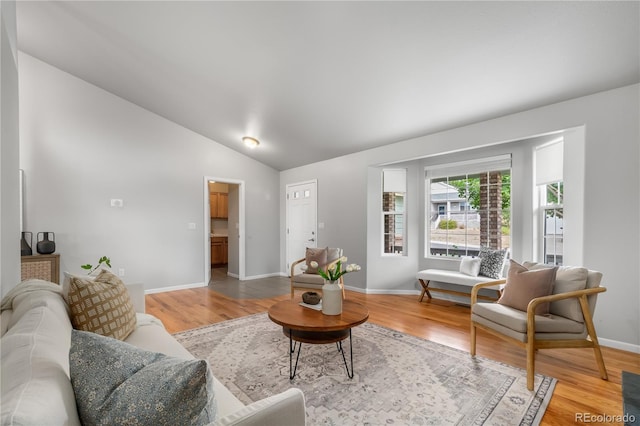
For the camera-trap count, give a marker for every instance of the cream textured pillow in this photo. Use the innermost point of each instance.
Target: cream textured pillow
(102, 306)
(333, 254)
(524, 285)
(470, 265)
(317, 254)
(568, 278)
(66, 283)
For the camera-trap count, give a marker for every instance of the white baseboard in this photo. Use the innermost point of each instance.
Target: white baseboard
(232, 275)
(619, 345)
(381, 291)
(173, 288)
(257, 277)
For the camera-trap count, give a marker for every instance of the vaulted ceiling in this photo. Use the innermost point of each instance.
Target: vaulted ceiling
(316, 80)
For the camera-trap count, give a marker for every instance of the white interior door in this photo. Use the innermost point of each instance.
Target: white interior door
(302, 225)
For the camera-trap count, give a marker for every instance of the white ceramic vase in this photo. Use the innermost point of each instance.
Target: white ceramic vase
(331, 298)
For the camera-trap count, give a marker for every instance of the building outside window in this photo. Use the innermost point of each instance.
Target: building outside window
(549, 181)
(553, 227)
(394, 184)
(469, 205)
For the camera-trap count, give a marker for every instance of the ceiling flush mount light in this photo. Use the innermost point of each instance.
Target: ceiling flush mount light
(250, 142)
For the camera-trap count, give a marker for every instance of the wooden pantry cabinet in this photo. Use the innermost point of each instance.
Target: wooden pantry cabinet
(219, 205)
(219, 250)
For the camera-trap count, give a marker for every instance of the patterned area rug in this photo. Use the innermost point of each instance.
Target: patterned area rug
(399, 379)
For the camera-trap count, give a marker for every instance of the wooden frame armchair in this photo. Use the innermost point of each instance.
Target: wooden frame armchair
(314, 282)
(533, 332)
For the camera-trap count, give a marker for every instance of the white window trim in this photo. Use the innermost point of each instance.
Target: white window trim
(467, 167)
(542, 217)
(383, 214)
(557, 147)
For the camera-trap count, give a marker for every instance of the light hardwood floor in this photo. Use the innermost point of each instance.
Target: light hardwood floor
(579, 388)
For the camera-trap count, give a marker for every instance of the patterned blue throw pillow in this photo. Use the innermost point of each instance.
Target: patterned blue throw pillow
(117, 383)
(492, 262)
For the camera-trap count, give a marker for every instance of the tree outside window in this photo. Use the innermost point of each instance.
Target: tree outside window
(469, 211)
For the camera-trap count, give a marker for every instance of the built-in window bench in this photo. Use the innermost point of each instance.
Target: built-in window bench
(427, 276)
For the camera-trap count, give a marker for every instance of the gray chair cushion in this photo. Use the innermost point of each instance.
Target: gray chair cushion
(516, 320)
(309, 279)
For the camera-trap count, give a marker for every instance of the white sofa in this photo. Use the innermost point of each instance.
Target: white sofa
(36, 387)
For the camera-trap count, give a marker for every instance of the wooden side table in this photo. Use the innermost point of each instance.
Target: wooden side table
(42, 266)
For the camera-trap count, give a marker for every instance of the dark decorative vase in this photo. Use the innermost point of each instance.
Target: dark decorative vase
(25, 247)
(46, 246)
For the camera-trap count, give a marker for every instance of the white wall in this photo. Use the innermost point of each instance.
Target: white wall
(81, 146)
(9, 150)
(611, 240)
(233, 267)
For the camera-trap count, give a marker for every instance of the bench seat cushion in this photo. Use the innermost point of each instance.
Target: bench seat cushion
(454, 277)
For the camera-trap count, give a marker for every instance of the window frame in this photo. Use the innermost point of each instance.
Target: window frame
(548, 168)
(544, 207)
(453, 171)
(394, 213)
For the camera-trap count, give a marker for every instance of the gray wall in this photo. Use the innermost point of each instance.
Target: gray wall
(398, 274)
(342, 207)
(608, 140)
(9, 150)
(82, 146)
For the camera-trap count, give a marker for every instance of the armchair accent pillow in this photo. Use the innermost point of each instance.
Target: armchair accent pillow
(117, 383)
(524, 285)
(568, 278)
(470, 265)
(101, 305)
(492, 262)
(317, 254)
(333, 254)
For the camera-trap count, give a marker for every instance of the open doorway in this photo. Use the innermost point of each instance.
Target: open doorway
(224, 228)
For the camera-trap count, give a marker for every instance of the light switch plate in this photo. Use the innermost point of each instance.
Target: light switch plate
(117, 202)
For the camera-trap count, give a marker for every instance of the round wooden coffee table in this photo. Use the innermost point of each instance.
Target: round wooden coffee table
(306, 325)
